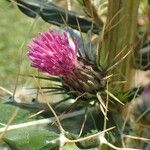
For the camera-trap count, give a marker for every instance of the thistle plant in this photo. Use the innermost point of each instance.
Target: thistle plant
(100, 108)
(53, 52)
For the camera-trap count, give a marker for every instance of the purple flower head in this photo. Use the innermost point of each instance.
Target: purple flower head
(53, 52)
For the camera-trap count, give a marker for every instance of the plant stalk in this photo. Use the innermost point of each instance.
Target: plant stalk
(119, 41)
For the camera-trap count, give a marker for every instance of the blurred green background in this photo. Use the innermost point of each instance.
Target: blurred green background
(16, 30)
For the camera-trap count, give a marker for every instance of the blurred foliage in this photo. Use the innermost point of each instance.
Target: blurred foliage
(32, 138)
(22, 115)
(16, 28)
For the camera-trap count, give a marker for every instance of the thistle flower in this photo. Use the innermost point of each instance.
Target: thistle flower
(53, 52)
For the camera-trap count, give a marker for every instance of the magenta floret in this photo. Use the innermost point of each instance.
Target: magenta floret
(52, 52)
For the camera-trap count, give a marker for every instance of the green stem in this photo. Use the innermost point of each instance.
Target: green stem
(119, 40)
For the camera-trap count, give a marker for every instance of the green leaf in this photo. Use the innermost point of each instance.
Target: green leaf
(8, 110)
(50, 78)
(56, 15)
(32, 138)
(71, 147)
(36, 138)
(88, 144)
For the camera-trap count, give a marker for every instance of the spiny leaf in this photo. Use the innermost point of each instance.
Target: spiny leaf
(56, 15)
(56, 79)
(30, 107)
(53, 87)
(55, 91)
(49, 87)
(92, 143)
(62, 101)
(7, 110)
(33, 138)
